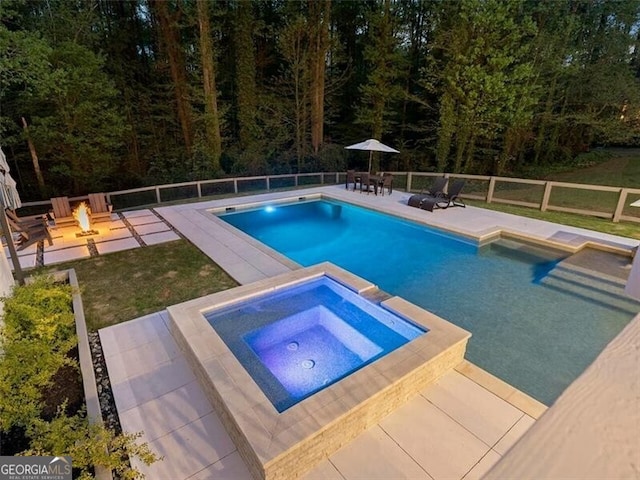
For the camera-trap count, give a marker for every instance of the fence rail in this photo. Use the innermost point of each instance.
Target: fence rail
(594, 200)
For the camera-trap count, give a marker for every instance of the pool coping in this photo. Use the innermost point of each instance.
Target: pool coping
(282, 445)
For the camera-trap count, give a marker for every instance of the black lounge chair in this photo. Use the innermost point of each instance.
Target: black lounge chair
(435, 190)
(446, 200)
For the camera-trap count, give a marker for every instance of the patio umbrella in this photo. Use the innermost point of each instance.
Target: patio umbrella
(372, 145)
(9, 198)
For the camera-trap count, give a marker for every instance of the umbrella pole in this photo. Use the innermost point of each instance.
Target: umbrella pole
(370, 155)
(12, 248)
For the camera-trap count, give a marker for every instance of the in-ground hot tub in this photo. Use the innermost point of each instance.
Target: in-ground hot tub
(298, 365)
(306, 337)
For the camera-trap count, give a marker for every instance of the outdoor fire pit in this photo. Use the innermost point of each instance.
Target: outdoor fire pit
(82, 213)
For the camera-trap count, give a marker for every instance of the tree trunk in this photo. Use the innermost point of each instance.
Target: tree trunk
(245, 62)
(34, 157)
(545, 121)
(319, 12)
(445, 131)
(170, 40)
(212, 120)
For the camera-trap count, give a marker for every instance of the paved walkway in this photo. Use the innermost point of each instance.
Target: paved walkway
(124, 231)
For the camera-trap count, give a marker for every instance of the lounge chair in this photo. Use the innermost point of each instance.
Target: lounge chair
(435, 190)
(62, 214)
(29, 231)
(100, 209)
(24, 222)
(446, 200)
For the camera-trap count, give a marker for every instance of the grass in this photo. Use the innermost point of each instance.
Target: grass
(621, 169)
(611, 167)
(125, 285)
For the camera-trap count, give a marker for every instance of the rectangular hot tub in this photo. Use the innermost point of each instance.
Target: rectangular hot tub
(298, 365)
(306, 337)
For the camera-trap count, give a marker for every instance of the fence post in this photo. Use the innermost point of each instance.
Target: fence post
(337, 178)
(158, 200)
(321, 178)
(296, 179)
(268, 184)
(546, 196)
(622, 199)
(199, 189)
(408, 181)
(492, 186)
(235, 185)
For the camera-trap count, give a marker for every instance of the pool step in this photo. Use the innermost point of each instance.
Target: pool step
(605, 291)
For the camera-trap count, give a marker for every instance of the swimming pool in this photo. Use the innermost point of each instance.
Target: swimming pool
(536, 323)
(307, 337)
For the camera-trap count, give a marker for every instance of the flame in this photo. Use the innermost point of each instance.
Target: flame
(82, 214)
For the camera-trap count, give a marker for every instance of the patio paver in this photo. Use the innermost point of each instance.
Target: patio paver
(112, 236)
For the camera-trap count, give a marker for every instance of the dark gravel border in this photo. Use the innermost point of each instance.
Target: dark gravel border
(105, 394)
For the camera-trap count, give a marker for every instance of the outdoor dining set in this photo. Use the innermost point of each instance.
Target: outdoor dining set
(368, 182)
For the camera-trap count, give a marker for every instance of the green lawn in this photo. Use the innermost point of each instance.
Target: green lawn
(621, 169)
(125, 285)
(613, 167)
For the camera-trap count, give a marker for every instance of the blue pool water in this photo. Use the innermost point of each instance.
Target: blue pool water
(534, 324)
(306, 337)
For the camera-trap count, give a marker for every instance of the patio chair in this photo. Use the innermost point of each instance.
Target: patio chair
(435, 190)
(365, 179)
(29, 232)
(386, 183)
(100, 208)
(24, 221)
(351, 178)
(446, 200)
(62, 214)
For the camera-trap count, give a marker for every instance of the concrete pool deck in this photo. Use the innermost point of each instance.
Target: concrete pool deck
(457, 428)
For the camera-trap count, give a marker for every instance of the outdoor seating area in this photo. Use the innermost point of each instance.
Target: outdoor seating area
(367, 182)
(44, 243)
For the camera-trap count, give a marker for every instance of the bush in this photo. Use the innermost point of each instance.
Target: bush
(36, 341)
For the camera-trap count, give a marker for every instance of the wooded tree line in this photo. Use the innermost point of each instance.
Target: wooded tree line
(103, 94)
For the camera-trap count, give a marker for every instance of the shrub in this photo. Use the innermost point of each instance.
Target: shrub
(35, 344)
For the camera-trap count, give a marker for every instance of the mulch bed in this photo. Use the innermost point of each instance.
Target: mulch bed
(66, 385)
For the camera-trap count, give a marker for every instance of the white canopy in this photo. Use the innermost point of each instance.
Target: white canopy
(372, 145)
